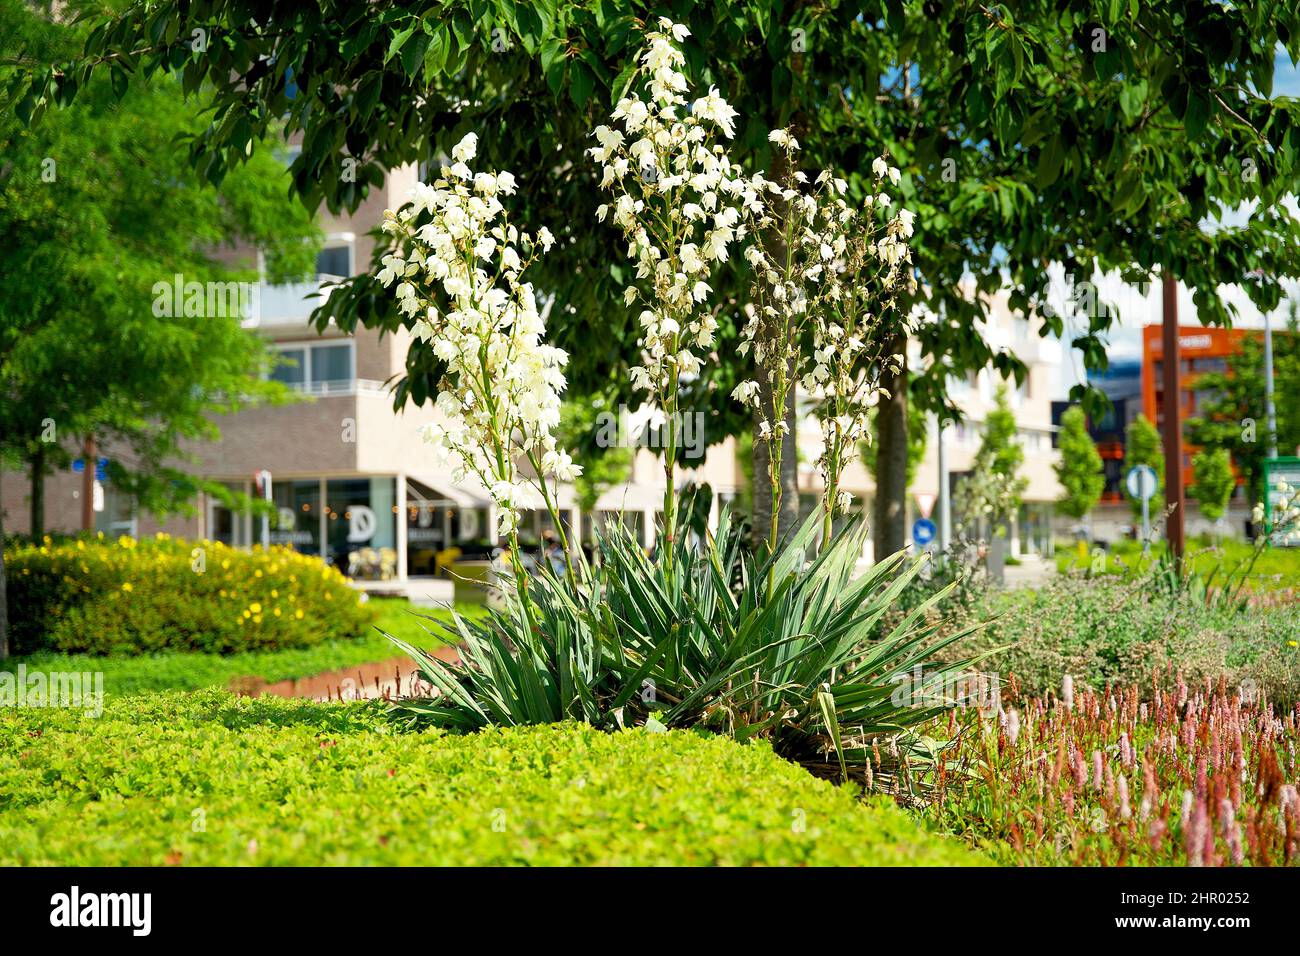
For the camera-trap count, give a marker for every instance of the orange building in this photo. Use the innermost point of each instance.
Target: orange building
(1200, 350)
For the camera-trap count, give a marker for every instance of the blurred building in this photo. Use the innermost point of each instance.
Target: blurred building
(1200, 350)
(1121, 383)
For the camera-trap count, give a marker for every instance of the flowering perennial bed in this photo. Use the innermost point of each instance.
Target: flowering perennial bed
(1139, 776)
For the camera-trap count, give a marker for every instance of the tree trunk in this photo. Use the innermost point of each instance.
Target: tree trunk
(4, 600)
(37, 468)
(788, 519)
(890, 526)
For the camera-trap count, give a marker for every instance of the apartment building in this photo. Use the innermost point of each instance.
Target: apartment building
(353, 482)
(351, 478)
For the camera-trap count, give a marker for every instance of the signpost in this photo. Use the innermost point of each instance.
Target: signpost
(1280, 473)
(263, 481)
(1141, 483)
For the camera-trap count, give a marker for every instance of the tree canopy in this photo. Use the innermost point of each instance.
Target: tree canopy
(97, 208)
(1101, 135)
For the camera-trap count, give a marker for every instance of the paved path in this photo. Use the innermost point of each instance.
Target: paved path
(1032, 571)
(389, 679)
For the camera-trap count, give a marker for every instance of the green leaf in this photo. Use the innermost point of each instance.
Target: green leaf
(413, 53)
(1197, 116)
(399, 40)
(1132, 98)
(581, 82)
(1050, 161)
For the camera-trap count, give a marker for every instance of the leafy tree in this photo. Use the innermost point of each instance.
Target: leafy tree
(1142, 446)
(1080, 469)
(97, 208)
(1212, 481)
(1231, 405)
(1101, 134)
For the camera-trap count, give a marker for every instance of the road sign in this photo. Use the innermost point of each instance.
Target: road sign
(924, 502)
(923, 531)
(1141, 482)
(1279, 474)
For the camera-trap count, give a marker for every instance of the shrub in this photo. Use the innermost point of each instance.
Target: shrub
(1106, 630)
(784, 655)
(1195, 776)
(135, 597)
(209, 779)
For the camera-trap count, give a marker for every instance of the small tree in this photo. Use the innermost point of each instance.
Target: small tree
(1230, 405)
(1212, 481)
(1080, 469)
(1142, 447)
(993, 489)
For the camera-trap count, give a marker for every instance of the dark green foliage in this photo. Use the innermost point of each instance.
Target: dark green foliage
(1091, 133)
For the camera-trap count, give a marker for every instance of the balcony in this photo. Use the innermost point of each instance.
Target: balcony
(289, 305)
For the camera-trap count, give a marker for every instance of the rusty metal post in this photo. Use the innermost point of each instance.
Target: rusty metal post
(1173, 425)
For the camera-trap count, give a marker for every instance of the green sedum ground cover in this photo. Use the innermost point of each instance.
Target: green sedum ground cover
(205, 778)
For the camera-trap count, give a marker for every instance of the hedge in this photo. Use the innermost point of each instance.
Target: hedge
(204, 778)
(134, 597)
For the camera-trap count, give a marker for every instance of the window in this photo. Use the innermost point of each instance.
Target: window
(361, 526)
(291, 369)
(331, 364)
(317, 368)
(334, 261)
(297, 521)
(227, 526)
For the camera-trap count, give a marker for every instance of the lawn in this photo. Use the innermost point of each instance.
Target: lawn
(206, 778)
(1276, 568)
(192, 670)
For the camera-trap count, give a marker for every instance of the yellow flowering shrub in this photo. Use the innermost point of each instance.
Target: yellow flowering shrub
(126, 596)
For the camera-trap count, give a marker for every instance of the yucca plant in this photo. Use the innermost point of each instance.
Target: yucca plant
(640, 645)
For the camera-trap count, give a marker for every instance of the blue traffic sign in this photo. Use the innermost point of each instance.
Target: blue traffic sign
(923, 531)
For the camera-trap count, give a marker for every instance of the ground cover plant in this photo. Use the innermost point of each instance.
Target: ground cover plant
(1142, 776)
(207, 778)
(192, 670)
(1274, 569)
(124, 596)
